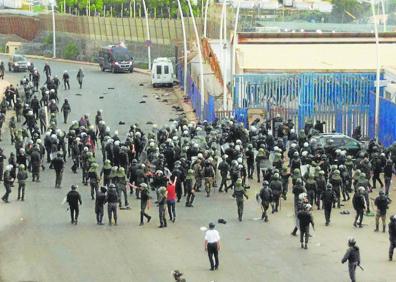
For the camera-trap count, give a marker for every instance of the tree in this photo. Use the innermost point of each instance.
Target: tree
(343, 9)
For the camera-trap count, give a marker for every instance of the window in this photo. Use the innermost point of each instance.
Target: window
(166, 69)
(158, 69)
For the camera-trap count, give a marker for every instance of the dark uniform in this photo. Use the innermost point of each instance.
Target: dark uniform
(305, 218)
(112, 204)
(99, 205)
(328, 198)
(266, 198)
(74, 199)
(392, 236)
(352, 255)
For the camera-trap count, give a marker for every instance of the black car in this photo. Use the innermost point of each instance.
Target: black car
(115, 58)
(342, 142)
(18, 63)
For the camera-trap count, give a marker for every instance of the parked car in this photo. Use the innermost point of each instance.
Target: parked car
(18, 63)
(162, 73)
(115, 58)
(342, 142)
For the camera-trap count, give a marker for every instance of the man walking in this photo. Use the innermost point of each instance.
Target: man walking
(381, 202)
(8, 181)
(66, 109)
(161, 206)
(58, 165)
(144, 200)
(239, 193)
(171, 199)
(305, 219)
(73, 199)
(392, 236)
(212, 246)
(359, 204)
(66, 79)
(100, 201)
(112, 204)
(328, 198)
(352, 255)
(80, 76)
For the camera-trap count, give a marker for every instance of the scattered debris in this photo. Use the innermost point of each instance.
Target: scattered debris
(142, 102)
(121, 122)
(78, 94)
(203, 228)
(149, 122)
(165, 100)
(144, 96)
(222, 221)
(141, 84)
(101, 97)
(111, 88)
(171, 119)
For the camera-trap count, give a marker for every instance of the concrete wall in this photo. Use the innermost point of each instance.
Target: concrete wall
(315, 57)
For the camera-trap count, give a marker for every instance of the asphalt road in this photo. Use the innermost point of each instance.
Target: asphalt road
(38, 243)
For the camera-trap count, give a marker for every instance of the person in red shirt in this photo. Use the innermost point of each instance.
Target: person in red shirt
(171, 199)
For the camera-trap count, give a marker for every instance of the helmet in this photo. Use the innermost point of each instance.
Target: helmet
(308, 207)
(299, 181)
(276, 176)
(329, 186)
(143, 185)
(351, 241)
(112, 186)
(361, 189)
(265, 183)
(21, 166)
(295, 154)
(74, 187)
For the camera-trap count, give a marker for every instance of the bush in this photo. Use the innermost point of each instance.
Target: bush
(71, 51)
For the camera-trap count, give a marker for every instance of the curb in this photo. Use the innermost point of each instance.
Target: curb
(138, 70)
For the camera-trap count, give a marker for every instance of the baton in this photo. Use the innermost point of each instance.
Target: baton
(361, 267)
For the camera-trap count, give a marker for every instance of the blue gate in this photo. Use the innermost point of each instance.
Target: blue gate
(339, 99)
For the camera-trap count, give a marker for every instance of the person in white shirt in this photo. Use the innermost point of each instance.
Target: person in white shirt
(212, 246)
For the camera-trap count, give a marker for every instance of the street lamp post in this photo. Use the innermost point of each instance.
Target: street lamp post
(235, 42)
(223, 46)
(200, 59)
(53, 29)
(185, 47)
(206, 17)
(148, 35)
(377, 86)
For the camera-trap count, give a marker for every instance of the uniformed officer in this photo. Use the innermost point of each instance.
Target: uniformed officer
(352, 255)
(21, 176)
(99, 204)
(144, 199)
(239, 194)
(74, 199)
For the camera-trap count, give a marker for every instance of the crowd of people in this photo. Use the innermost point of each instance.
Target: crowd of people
(168, 165)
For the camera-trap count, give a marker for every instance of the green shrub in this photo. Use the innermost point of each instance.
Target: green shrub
(47, 40)
(71, 51)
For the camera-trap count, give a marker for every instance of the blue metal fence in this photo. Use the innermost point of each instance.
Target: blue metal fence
(387, 121)
(339, 99)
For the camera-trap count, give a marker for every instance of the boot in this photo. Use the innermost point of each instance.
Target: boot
(383, 228)
(302, 246)
(306, 246)
(376, 228)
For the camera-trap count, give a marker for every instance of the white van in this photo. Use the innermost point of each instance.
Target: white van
(162, 72)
